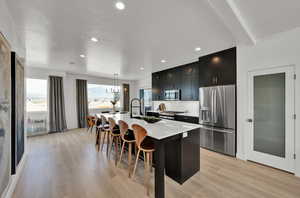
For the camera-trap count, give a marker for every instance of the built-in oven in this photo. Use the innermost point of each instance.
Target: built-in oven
(172, 94)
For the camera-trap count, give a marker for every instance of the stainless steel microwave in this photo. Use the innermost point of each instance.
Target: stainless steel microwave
(172, 94)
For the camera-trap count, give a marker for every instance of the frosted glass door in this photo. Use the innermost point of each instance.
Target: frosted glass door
(269, 114)
(271, 121)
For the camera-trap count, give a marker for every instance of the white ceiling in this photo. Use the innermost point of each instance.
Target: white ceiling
(267, 17)
(56, 32)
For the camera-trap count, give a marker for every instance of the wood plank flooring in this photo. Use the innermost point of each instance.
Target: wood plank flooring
(67, 165)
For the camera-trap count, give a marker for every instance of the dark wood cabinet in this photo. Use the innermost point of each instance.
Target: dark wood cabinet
(214, 69)
(156, 88)
(185, 78)
(183, 156)
(189, 119)
(218, 68)
(190, 82)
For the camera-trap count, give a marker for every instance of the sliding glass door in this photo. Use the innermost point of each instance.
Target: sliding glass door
(36, 106)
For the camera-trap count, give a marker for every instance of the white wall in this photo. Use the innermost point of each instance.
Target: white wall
(145, 83)
(280, 50)
(9, 30)
(11, 33)
(70, 89)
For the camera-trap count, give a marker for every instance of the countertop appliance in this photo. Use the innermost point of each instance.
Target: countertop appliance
(172, 94)
(217, 114)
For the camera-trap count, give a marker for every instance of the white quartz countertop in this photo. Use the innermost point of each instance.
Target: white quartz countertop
(158, 130)
(181, 114)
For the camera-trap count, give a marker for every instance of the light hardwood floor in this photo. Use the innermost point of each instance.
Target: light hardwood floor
(66, 165)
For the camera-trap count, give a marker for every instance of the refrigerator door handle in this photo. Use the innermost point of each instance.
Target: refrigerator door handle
(214, 101)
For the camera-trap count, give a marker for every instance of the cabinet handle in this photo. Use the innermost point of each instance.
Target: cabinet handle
(215, 80)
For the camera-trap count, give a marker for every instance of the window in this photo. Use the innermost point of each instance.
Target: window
(100, 97)
(36, 106)
(36, 98)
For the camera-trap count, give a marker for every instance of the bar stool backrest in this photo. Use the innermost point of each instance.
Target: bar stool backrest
(123, 128)
(104, 120)
(90, 121)
(98, 122)
(112, 124)
(139, 134)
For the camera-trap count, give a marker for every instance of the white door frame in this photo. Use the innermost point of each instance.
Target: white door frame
(288, 163)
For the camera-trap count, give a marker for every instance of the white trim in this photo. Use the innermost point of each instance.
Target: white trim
(8, 193)
(289, 163)
(242, 21)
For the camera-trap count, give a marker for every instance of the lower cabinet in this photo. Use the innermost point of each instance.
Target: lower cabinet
(183, 156)
(154, 114)
(189, 119)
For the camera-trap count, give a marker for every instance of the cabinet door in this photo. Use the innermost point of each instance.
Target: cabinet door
(186, 91)
(155, 86)
(163, 83)
(195, 82)
(206, 73)
(218, 68)
(190, 82)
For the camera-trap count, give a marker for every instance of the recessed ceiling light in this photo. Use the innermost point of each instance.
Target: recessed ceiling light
(163, 61)
(197, 49)
(94, 39)
(142, 68)
(120, 5)
(82, 55)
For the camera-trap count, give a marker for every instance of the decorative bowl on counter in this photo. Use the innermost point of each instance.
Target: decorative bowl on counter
(151, 119)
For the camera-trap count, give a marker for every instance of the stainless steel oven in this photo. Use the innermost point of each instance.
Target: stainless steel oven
(172, 94)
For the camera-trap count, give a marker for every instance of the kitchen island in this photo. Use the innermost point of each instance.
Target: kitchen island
(177, 149)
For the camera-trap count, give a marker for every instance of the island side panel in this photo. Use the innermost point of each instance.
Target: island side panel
(183, 156)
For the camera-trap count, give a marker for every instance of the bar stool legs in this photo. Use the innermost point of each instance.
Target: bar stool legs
(103, 139)
(136, 161)
(115, 141)
(107, 143)
(129, 155)
(129, 158)
(147, 169)
(147, 173)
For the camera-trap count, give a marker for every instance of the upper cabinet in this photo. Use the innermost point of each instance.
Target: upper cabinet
(189, 82)
(211, 70)
(218, 68)
(185, 78)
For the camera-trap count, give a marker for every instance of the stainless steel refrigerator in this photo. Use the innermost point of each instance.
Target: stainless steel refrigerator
(218, 118)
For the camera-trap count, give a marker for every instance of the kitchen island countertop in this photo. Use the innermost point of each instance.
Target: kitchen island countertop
(159, 130)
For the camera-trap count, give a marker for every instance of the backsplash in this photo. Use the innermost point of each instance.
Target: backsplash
(192, 107)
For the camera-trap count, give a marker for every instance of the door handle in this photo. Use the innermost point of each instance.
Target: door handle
(249, 120)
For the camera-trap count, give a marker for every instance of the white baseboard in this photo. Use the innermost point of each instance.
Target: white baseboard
(240, 156)
(14, 178)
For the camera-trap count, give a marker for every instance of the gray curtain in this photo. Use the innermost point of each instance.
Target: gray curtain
(82, 102)
(57, 115)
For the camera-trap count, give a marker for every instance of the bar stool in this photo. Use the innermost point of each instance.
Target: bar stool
(105, 130)
(147, 146)
(127, 137)
(100, 128)
(90, 123)
(115, 137)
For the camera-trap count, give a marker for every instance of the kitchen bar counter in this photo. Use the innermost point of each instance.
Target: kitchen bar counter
(160, 130)
(177, 149)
